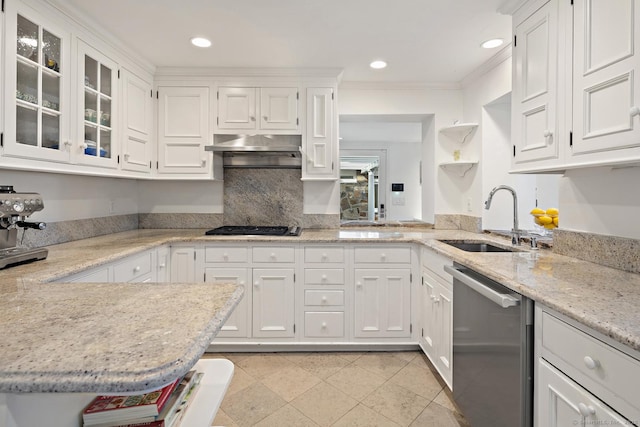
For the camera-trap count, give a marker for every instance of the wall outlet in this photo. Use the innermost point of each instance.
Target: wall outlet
(469, 205)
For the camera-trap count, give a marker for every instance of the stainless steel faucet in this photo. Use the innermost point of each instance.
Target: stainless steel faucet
(515, 232)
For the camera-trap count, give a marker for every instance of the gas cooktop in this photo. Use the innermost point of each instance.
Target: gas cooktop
(250, 230)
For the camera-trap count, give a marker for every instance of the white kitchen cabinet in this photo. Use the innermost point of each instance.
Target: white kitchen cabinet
(97, 132)
(582, 377)
(183, 131)
(257, 109)
(436, 321)
(137, 268)
(606, 93)
(237, 325)
(183, 265)
(137, 122)
(534, 98)
(163, 264)
(562, 402)
(273, 303)
(37, 70)
(382, 306)
(320, 149)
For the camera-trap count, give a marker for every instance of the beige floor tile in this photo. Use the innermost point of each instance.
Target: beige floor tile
(251, 405)
(351, 356)
(445, 401)
(290, 382)
(321, 365)
(355, 381)
(436, 416)
(236, 357)
(396, 403)
(420, 381)
(324, 404)
(287, 416)
(405, 355)
(361, 416)
(223, 420)
(385, 365)
(240, 381)
(261, 365)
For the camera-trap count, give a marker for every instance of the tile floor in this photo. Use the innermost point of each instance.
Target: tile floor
(335, 389)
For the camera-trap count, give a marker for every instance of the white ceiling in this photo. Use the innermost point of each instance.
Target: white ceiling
(424, 41)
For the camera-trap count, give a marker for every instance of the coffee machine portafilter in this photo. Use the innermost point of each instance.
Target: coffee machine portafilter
(15, 208)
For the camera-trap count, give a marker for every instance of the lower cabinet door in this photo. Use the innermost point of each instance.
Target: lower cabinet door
(561, 402)
(237, 325)
(382, 303)
(273, 303)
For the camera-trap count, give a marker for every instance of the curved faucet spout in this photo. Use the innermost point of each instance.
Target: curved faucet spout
(515, 232)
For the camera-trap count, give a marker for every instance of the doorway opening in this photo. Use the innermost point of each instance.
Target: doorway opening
(361, 178)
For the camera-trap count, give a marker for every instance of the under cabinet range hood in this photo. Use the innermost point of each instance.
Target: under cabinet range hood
(258, 151)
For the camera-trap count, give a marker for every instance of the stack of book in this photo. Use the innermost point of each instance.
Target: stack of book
(161, 408)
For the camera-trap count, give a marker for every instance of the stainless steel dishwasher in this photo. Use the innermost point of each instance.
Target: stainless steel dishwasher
(492, 351)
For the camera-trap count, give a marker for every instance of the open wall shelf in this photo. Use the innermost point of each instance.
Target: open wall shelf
(460, 131)
(461, 167)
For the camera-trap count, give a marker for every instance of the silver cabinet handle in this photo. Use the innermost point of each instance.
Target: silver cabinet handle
(503, 300)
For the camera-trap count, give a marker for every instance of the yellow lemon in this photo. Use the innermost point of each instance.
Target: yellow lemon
(537, 211)
(545, 219)
(552, 212)
(555, 221)
(549, 226)
(537, 220)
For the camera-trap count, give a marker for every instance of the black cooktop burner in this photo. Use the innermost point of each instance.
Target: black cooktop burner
(250, 230)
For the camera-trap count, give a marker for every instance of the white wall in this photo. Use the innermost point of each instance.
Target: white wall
(445, 104)
(602, 201)
(69, 197)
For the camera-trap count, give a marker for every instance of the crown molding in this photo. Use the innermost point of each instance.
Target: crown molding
(364, 85)
(509, 7)
(488, 65)
(319, 72)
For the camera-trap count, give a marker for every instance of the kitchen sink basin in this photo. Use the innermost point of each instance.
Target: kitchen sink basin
(468, 246)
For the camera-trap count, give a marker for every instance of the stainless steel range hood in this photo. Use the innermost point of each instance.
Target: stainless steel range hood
(258, 151)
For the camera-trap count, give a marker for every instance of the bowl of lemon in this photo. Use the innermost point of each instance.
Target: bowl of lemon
(547, 219)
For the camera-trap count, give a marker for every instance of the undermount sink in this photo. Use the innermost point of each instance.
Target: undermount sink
(468, 246)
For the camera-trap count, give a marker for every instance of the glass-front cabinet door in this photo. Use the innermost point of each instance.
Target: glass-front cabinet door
(37, 84)
(97, 108)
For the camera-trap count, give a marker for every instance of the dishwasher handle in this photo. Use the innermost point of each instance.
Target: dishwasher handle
(503, 300)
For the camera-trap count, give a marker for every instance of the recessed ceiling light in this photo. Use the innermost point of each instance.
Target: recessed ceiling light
(490, 44)
(378, 64)
(200, 42)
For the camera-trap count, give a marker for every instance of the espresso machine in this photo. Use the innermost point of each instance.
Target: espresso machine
(14, 209)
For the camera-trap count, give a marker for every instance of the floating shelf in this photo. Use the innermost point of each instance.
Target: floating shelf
(460, 132)
(461, 166)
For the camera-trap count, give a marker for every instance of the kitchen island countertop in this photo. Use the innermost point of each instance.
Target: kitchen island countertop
(116, 337)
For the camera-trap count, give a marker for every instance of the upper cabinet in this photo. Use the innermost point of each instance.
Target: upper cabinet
(37, 82)
(97, 101)
(320, 149)
(183, 130)
(242, 109)
(137, 122)
(575, 102)
(606, 99)
(534, 97)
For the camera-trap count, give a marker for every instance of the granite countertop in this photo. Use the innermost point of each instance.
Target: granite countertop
(101, 338)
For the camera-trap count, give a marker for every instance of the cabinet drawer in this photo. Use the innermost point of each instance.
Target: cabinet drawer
(324, 254)
(324, 276)
(274, 254)
(326, 324)
(226, 254)
(435, 263)
(323, 298)
(604, 370)
(382, 255)
(98, 275)
(132, 268)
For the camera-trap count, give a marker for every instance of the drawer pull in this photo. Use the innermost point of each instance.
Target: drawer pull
(586, 411)
(225, 256)
(324, 325)
(324, 299)
(324, 256)
(358, 284)
(591, 363)
(324, 277)
(273, 255)
(256, 284)
(634, 111)
(162, 265)
(136, 269)
(383, 257)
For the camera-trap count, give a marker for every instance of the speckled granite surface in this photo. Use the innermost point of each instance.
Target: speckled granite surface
(59, 331)
(469, 223)
(180, 220)
(612, 251)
